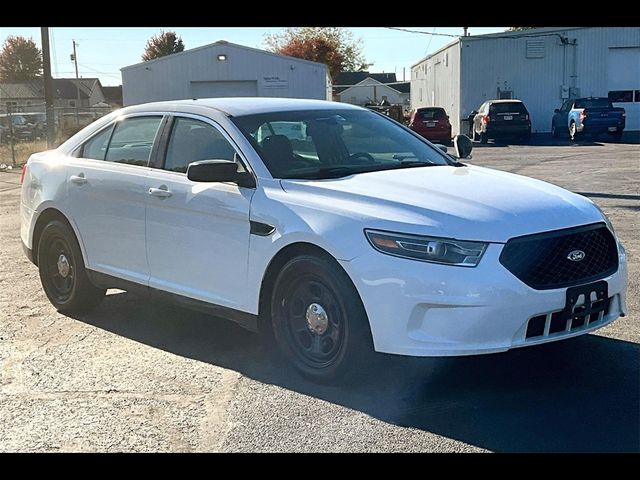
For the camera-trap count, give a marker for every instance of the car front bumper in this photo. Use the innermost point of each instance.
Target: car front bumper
(424, 309)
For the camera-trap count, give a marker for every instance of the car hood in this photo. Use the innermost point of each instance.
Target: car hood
(470, 203)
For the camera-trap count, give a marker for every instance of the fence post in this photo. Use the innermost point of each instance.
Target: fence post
(13, 151)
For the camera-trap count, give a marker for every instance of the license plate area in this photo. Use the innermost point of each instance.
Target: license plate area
(508, 117)
(585, 304)
(613, 129)
(431, 124)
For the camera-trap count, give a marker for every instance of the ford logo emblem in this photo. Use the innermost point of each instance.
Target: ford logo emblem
(576, 255)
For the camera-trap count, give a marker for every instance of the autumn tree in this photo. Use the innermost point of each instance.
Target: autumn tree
(333, 46)
(20, 60)
(161, 45)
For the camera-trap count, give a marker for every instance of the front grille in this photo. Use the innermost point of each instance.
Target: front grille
(588, 315)
(541, 260)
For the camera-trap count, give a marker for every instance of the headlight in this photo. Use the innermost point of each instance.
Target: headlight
(427, 249)
(606, 219)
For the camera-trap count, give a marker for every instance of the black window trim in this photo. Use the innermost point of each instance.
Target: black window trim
(112, 125)
(163, 143)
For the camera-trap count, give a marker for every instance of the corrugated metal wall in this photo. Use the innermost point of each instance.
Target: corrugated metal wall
(435, 81)
(170, 78)
(491, 63)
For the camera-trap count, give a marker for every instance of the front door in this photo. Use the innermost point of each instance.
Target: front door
(107, 196)
(197, 233)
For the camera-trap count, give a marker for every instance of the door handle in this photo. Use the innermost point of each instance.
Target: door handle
(79, 179)
(160, 192)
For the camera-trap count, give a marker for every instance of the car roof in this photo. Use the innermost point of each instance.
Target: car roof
(238, 106)
(430, 108)
(506, 101)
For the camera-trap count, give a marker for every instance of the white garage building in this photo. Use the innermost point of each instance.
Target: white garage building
(542, 67)
(224, 69)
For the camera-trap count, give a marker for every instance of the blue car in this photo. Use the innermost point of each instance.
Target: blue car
(592, 115)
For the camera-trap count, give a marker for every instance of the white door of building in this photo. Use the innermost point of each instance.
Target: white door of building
(244, 88)
(623, 81)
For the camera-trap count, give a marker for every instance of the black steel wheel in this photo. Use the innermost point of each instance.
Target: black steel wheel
(62, 273)
(318, 319)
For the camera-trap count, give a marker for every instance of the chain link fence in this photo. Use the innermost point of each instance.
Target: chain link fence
(23, 129)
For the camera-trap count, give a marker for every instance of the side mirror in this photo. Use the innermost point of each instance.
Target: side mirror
(218, 171)
(474, 112)
(463, 146)
(441, 147)
(557, 110)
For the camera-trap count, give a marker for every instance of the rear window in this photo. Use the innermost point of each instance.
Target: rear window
(430, 114)
(507, 107)
(593, 103)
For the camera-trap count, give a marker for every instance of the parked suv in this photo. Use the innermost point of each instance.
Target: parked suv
(592, 116)
(432, 123)
(347, 235)
(501, 119)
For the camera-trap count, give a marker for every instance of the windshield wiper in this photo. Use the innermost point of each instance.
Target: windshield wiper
(327, 172)
(414, 163)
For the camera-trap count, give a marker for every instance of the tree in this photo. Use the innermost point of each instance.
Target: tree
(519, 29)
(20, 60)
(333, 46)
(161, 45)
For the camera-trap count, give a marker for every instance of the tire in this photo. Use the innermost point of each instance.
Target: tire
(573, 132)
(483, 137)
(318, 320)
(62, 272)
(616, 137)
(554, 131)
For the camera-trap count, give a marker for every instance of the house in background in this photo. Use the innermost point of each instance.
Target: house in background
(113, 96)
(28, 97)
(361, 88)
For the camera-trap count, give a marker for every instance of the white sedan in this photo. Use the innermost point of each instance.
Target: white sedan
(333, 227)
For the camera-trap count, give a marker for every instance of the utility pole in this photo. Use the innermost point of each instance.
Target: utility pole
(13, 150)
(48, 87)
(74, 57)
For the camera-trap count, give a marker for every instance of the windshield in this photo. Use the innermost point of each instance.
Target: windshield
(507, 107)
(314, 144)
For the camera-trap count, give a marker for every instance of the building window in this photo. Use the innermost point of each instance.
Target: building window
(420, 90)
(621, 96)
(354, 100)
(535, 49)
(72, 103)
(637, 95)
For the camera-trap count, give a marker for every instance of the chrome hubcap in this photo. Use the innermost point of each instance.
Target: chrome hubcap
(63, 265)
(317, 319)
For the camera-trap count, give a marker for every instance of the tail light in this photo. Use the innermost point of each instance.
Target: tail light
(485, 119)
(624, 114)
(24, 172)
(583, 115)
(526, 117)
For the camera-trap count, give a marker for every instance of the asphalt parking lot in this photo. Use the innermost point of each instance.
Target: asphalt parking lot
(136, 376)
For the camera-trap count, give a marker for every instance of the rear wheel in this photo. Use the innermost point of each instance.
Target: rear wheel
(62, 273)
(319, 322)
(573, 132)
(483, 137)
(616, 137)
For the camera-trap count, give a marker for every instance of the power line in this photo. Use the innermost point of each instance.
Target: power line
(423, 33)
(490, 36)
(430, 38)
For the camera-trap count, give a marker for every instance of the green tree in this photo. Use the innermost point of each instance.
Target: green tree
(20, 60)
(335, 47)
(161, 45)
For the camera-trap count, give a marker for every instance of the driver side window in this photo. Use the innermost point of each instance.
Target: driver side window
(192, 140)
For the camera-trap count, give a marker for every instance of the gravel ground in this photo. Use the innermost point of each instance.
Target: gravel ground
(137, 376)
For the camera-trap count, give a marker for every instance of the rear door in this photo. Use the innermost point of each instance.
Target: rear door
(107, 196)
(429, 120)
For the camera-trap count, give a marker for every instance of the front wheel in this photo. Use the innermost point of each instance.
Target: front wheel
(318, 319)
(62, 273)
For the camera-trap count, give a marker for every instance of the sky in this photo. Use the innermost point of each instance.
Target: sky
(102, 51)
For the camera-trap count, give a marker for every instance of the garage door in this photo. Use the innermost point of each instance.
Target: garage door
(623, 80)
(248, 88)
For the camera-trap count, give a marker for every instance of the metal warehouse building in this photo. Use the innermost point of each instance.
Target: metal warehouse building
(224, 69)
(542, 67)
